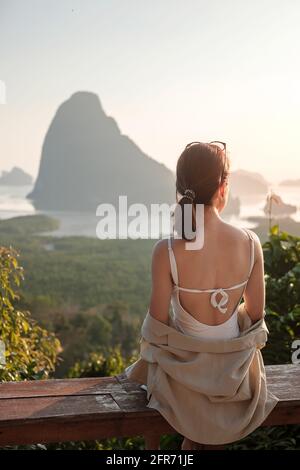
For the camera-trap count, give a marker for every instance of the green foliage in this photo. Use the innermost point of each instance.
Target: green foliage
(91, 293)
(281, 252)
(115, 443)
(101, 365)
(30, 351)
(79, 272)
(282, 267)
(93, 330)
(270, 438)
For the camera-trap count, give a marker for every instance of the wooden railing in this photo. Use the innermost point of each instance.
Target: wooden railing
(97, 408)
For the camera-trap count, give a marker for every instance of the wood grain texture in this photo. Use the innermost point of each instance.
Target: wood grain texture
(59, 387)
(97, 408)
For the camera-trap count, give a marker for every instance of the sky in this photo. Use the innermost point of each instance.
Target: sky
(169, 71)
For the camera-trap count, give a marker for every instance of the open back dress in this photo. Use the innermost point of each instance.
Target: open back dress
(186, 323)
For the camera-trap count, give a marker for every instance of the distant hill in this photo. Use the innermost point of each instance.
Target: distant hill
(295, 182)
(86, 161)
(286, 224)
(244, 183)
(27, 225)
(279, 207)
(15, 177)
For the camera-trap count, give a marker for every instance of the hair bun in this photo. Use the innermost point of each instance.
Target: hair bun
(189, 193)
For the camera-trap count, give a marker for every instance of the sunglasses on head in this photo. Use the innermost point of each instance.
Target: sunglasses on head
(217, 143)
(221, 145)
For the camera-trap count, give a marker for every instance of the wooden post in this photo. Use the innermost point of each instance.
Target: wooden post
(152, 441)
(212, 447)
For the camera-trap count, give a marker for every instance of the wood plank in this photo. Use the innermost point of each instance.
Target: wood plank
(90, 428)
(285, 412)
(152, 441)
(59, 387)
(128, 386)
(131, 402)
(284, 381)
(97, 408)
(18, 410)
(278, 378)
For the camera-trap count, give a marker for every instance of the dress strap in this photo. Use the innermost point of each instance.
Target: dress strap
(250, 267)
(251, 251)
(236, 286)
(172, 262)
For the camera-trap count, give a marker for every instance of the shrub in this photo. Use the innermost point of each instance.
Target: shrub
(30, 351)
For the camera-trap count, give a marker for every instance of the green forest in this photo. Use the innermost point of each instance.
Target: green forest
(73, 307)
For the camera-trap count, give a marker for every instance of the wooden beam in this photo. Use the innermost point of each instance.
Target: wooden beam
(104, 407)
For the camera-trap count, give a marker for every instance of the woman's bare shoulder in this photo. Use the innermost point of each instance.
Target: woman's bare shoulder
(240, 233)
(160, 246)
(233, 232)
(161, 267)
(254, 236)
(160, 251)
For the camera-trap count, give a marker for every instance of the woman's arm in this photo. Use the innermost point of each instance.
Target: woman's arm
(161, 282)
(254, 295)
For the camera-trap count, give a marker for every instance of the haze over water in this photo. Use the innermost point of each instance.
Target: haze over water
(13, 203)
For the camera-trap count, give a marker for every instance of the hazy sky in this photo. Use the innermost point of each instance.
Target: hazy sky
(169, 72)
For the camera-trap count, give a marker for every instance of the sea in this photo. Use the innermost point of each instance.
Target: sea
(13, 203)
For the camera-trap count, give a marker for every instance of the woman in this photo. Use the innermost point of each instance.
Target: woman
(202, 365)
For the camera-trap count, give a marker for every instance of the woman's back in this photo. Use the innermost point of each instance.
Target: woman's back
(225, 262)
(231, 259)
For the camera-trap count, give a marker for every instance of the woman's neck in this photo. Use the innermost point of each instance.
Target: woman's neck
(211, 216)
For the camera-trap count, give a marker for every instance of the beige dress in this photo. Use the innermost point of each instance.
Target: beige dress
(212, 391)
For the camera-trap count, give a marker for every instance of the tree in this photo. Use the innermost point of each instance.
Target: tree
(282, 267)
(30, 352)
